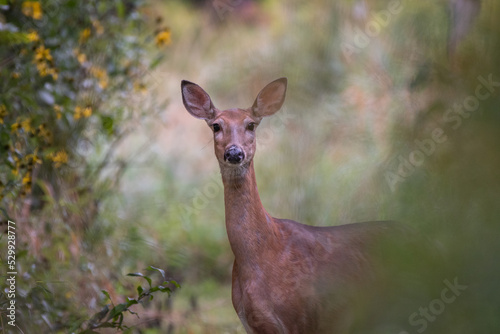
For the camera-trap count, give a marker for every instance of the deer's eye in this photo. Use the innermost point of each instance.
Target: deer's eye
(251, 126)
(216, 127)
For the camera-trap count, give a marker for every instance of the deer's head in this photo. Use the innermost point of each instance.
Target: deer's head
(234, 129)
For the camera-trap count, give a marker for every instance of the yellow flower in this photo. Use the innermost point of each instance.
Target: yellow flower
(26, 125)
(33, 36)
(58, 109)
(42, 68)
(27, 179)
(84, 35)
(87, 112)
(42, 59)
(78, 112)
(59, 158)
(53, 71)
(15, 127)
(15, 171)
(3, 112)
(32, 9)
(17, 168)
(33, 158)
(82, 58)
(140, 87)
(42, 53)
(163, 38)
(16, 75)
(44, 133)
(101, 75)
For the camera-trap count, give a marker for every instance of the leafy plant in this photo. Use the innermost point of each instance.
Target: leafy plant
(111, 315)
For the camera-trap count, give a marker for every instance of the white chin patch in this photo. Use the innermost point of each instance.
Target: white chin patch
(233, 171)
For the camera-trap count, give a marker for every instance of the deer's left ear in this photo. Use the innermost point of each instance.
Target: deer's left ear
(270, 98)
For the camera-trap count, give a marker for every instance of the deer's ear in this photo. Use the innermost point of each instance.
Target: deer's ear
(270, 98)
(197, 101)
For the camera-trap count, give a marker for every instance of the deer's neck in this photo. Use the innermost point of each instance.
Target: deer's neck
(249, 227)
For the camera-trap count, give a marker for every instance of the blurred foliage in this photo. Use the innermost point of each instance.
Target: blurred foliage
(74, 81)
(113, 317)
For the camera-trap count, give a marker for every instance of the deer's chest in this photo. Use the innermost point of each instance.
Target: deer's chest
(274, 299)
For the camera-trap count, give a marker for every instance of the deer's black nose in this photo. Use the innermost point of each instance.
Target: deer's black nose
(234, 155)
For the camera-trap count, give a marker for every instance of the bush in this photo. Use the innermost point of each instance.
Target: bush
(73, 75)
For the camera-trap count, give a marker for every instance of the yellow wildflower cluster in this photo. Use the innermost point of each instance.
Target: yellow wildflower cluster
(25, 124)
(100, 74)
(82, 112)
(33, 36)
(59, 158)
(41, 53)
(44, 133)
(32, 9)
(15, 127)
(44, 62)
(81, 57)
(25, 166)
(163, 37)
(84, 35)
(3, 112)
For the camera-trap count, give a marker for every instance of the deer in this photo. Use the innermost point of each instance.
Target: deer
(287, 277)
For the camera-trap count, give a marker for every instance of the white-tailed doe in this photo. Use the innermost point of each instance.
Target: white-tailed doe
(287, 277)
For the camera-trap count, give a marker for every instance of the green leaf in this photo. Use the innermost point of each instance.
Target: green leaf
(120, 320)
(161, 271)
(117, 311)
(177, 285)
(154, 289)
(107, 124)
(120, 9)
(106, 294)
(131, 301)
(140, 290)
(97, 317)
(141, 275)
(166, 289)
(11, 37)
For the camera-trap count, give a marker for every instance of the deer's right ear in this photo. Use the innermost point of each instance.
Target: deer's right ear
(197, 101)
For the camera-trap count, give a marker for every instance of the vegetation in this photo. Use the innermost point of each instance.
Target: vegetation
(103, 178)
(73, 77)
